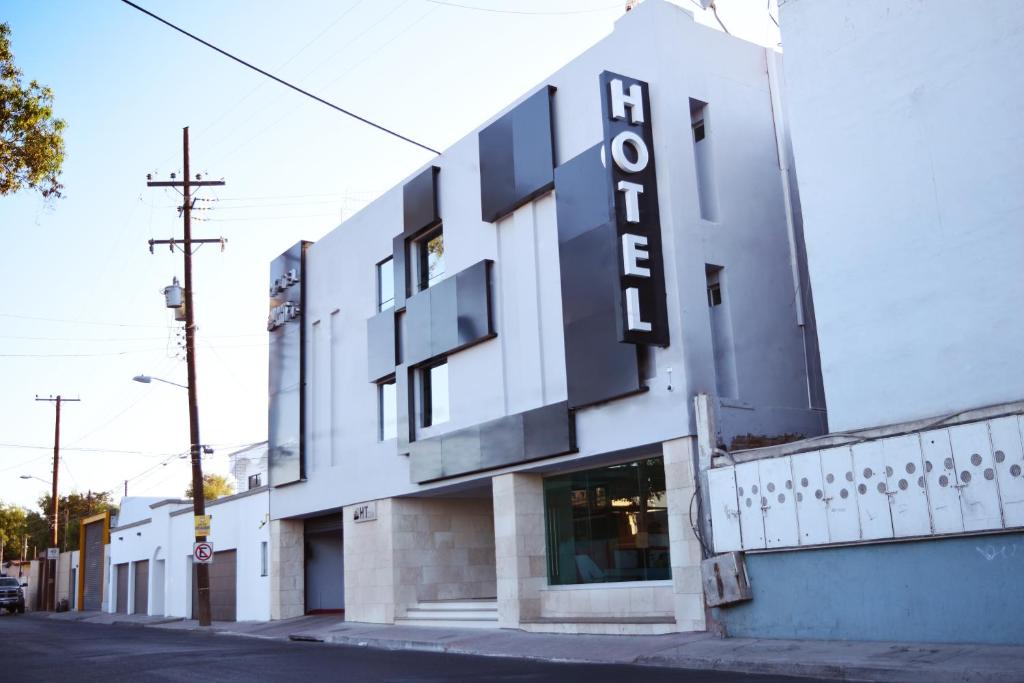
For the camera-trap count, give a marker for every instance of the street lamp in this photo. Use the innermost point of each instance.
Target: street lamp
(32, 476)
(146, 379)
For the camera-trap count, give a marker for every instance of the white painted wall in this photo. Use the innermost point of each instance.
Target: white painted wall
(906, 131)
(524, 366)
(238, 522)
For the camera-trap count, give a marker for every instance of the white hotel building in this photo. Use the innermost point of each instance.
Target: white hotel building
(482, 385)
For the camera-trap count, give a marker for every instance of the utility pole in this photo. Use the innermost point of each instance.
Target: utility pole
(198, 497)
(51, 565)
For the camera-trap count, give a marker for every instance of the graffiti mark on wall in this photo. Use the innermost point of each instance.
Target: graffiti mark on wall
(994, 551)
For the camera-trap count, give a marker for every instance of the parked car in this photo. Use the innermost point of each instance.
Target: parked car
(12, 597)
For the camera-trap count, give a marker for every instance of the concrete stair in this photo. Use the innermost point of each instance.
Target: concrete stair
(476, 613)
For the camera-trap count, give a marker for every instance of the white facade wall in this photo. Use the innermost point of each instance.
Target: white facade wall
(524, 366)
(167, 535)
(906, 132)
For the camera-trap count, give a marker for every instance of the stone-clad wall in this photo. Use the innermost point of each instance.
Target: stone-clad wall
(287, 569)
(684, 547)
(520, 547)
(614, 600)
(418, 549)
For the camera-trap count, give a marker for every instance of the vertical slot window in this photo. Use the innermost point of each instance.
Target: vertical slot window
(387, 410)
(430, 264)
(707, 195)
(722, 341)
(435, 394)
(263, 558)
(385, 284)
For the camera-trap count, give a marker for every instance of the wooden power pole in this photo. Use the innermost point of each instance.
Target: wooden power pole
(186, 244)
(51, 565)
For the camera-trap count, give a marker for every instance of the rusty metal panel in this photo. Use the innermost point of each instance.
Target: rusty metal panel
(748, 489)
(843, 517)
(778, 502)
(725, 512)
(873, 503)
(1008, 456)
(940, 475)
(908, 498)
(811, 512)
(979, 495)
(725, 580)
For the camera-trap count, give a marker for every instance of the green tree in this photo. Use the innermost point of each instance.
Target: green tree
(72, 509)
(214, 486)
(12, 530)
(31, 139)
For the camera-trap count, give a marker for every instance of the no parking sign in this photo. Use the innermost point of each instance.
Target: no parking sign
(202, 553)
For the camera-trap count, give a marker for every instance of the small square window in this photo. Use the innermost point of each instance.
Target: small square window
(385, 284)
(698, 130)
(387, 410)
(430, 258)
(435, 394)
(255, 481)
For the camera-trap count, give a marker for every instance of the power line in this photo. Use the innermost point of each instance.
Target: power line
(495, 10)
(282, 81)
(74, 322)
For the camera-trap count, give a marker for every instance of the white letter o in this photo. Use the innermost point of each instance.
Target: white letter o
(619, 153)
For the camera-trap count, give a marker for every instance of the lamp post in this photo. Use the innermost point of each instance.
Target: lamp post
(146, 379)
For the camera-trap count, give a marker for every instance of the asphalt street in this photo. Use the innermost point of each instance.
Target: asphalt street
(49, 650)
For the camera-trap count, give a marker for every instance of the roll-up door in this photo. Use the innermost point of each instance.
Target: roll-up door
(122, 587)
(92, 594)
(141, 587)
(223, 587)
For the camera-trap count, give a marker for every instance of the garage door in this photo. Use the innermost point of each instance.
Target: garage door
(122, 588)
(325, 567)
(92, 594)
(142, 587)
(223, 587)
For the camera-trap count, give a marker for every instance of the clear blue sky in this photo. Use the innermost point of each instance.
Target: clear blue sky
(84, 312)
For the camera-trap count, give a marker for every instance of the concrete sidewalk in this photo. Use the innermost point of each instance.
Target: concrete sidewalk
(840, 660)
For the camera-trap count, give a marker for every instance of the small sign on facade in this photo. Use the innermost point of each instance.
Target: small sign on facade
(367, 512)
(52, 553)
(203, 524)
(202, 553)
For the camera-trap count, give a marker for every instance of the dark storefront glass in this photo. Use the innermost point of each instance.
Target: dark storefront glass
(609, 524)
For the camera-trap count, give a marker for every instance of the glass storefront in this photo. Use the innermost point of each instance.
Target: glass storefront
(608, 524)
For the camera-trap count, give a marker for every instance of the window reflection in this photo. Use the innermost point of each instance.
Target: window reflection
(609, 524)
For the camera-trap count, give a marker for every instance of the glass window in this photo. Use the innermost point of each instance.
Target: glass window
(263, 558)
(609, 524)
(430, 257)
(387, 410)
(255, 481)
(435, 394)
(385, 285)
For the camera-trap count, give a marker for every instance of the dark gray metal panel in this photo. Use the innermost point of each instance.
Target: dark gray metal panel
(474, 322)
(419, 201)
(141, 587)
(416, 329)
(517, 156)
(502, 441)
(548, 429)
(444, 330)
(425, 461)
(400, 271)
(598, 366)
(583, 199)
(460, 451)
(287, 370)
(93, 589)
(531, 435)
(121, 607)
(380, 345)
(497, 168)
(453, 314)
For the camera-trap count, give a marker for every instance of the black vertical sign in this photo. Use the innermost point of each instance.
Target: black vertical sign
(629, 159)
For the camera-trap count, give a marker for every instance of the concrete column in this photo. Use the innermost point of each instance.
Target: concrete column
(684, 548)
(520, 553)
(369, 551)
(287, 569)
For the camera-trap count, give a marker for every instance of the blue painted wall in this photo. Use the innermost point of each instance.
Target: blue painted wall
(966, 589)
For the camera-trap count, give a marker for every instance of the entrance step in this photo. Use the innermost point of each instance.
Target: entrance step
(478, 613)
